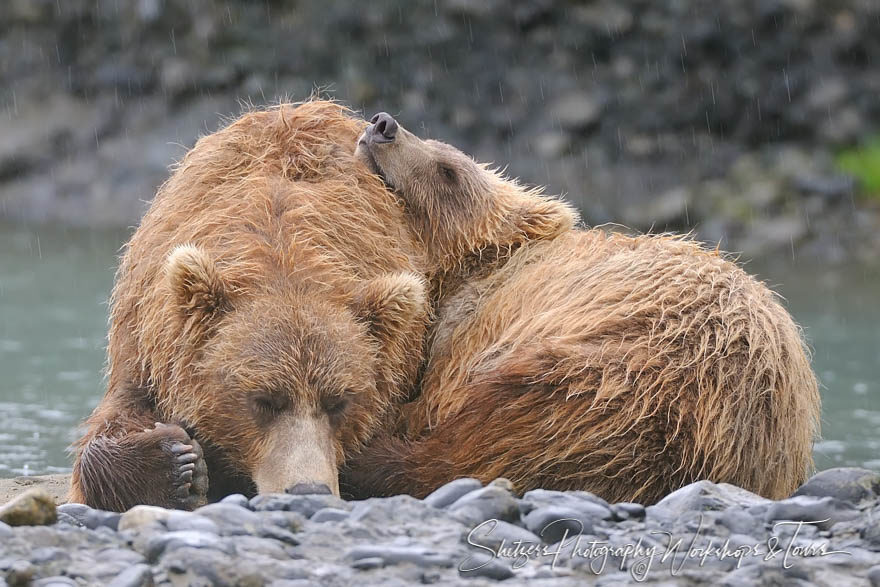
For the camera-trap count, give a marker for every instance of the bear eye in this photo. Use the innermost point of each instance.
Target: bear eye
(334, 405)
(268, 405)
(447, 172)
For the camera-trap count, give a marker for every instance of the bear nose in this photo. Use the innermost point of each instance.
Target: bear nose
(308, 489)
(384, 128)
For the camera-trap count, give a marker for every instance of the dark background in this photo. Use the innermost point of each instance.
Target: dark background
(721, 116)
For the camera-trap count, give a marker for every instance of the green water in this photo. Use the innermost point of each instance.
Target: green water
(54, 285)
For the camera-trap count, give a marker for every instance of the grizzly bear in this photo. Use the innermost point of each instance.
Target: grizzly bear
(627, 366)
(268, 313)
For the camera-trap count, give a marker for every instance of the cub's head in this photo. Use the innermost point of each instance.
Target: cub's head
(285, 381)
(457, 206)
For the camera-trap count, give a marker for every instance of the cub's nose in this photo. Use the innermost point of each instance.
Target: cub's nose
(308, 489)
(384, 128)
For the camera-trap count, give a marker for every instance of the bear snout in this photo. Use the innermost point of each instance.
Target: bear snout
(308, 489)
(383, 128)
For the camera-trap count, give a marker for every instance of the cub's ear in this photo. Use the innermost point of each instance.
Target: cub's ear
(195, 284)
(392, 305)
(543, 218)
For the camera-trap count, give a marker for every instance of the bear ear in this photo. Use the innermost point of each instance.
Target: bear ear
(195, 283)
(391, 304)
(545, 218)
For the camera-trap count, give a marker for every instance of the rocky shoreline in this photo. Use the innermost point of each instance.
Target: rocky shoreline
(828, 533)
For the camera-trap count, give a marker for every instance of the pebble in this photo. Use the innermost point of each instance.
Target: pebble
(237, 499)
(305, 505)
(493, 533)
(484, 565)
(180, 520)
(142, 515)
(874, 576)
(451, 492)
(34, 507)
(231, 519)
(134, 576)
(824, 512)
(392, 555)
(186, 538)
(846, 484)
(330, 515)
(572, 499)
(553, 523)
(628, 511)
(702, 496)
(57, 581)
(491, 502)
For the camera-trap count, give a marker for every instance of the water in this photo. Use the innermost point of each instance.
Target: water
(54, 285)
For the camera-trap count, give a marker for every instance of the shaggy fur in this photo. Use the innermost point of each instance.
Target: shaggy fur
(625, 366)
(272, 275)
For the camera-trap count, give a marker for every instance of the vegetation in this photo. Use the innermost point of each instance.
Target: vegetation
(863, 163)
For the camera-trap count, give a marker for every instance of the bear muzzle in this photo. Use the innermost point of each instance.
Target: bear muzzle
(300, 457)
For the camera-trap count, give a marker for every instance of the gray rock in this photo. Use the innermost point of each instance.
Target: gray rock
(492, 533)
(57, 581)
(628, 511)
(553, 523)
(47, 554)
(368, 563)
(737, 520)
(5, 531)
(491, 502)
(871, 535)
(236, 499)
(483, 565)
(703, 496)
(291, 521)
(97, 518)
(874, 576)
(199, 566)
(181, 521)
(846, 484)
(231, 519)
(134, 576)
(142, 515)
(184, 539)
(391, 555)
(824, 512)
(77, 511)
(330, 515)
(573, 499)
(306, 505)
(250, 546)
(279, 534)
(451, 492)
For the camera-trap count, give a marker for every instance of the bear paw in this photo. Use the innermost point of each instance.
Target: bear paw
(189, 473)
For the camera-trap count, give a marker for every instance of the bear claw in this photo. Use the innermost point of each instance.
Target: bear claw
(189, 473)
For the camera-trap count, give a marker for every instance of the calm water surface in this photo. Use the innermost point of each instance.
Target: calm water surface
(54, 285)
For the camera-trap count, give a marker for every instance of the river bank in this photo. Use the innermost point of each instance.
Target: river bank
(827, 534)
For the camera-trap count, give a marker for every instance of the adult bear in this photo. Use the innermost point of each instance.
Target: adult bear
(267, 314)
(625, 366)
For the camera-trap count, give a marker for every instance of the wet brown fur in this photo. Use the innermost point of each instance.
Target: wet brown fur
(628, 366)
(271, 264)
